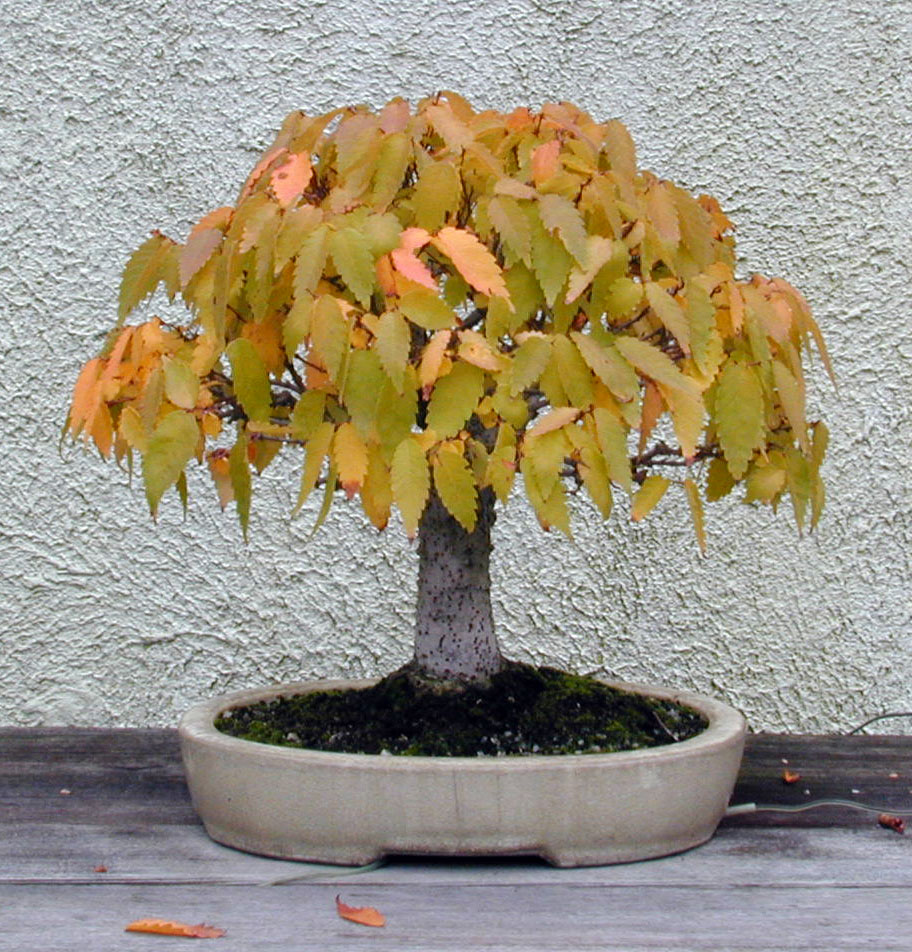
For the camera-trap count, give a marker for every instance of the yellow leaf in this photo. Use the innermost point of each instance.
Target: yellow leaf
(648, 496)
(652, 363)
(133, 430)
(427, 309)
(739, 414)
(472, 260)
(411, 482)
(314, 454)
(513, 228)
(251, 382)
(330, 332)
(437, 195)
(220, 470)
(455, 485)
(554, 420)
(454, 399)
(153, 261)
(608, 365)
(560, 215)
(354, 262)
(377, 490)
(596, 480)
(612, 441)
(529, 362)
(181, 384)
(197, 251)
(501, 466)
(310, 261)
(392, 162)
(172, 446)
(791, 395)
(670, 313)
(432, 359)
(573, 371)
(350, 457)
(696, 511)
(393, 345)
(475, 349)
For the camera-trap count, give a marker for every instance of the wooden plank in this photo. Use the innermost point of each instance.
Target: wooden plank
(59, 853)
(440, 919)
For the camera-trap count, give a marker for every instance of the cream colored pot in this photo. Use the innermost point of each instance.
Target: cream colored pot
(572, 810)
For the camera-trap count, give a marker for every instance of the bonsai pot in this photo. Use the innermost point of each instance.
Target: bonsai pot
(351, 809)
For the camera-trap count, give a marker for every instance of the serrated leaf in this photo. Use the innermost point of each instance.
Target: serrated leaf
(595, 477)
(454, 399)
(354, 262)
(432, 358)
(397, 412)
(411, 482)
(687, 416)
(377, 490)
(181, 383)
(608, 365)
(551, 263)
(251, 381)
(652, 363)
(623, 298)
(612, 441)
(791, 395)
(330, 331)
(799, 484)
(529, 361)
(599, 253)
(551, 510)
(739, 415)
(475, 349)
(765, 479)
(573, 371)
(307, 414)
(701, 317)
(553, 420)
(393, 344)
(437, 195)
(560, 215)
(455, 485)
(220, 471)
(472, 260)
(382, 233)
(296, 326)
(670, 313)
(500, 472)
(427, 309)
(364, 384)
(196, 252)
(513, 227)
(239, 473)
(648, 496)
(543, 456)
(131, 427)
(289, 179)
(296, 225)
(696, 512)
(392, 162)
(311, 260)
(719, 482)
(151, 263)
(619, 147)
(171, 447)
(314, 454)
(350, 458)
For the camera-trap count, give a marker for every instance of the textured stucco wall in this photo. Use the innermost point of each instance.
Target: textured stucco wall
(118, 115)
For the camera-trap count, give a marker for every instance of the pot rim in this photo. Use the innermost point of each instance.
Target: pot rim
(198, 724)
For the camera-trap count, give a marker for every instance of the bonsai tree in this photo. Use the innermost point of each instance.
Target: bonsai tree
(431, 302)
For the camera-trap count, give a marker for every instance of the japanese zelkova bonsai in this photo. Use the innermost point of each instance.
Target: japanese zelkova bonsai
(436, 309)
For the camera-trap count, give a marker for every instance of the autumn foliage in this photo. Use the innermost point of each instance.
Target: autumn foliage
(440, 299)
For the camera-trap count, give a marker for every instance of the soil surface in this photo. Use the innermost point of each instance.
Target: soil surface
(526, 710)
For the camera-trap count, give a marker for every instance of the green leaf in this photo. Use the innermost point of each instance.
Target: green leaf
(437, 194)
(296, 325)
(455, 486)
(551, 263)
(623, 297)
(354, 262)
(529, 361)
(739, 414)
(670, 313)
(394, 341)
(307, 414)
(364, 385)
(701, 316)
(648, 496)
(311, 261)
(454, 399)
(314, 454)
(559, 214)
(181, 383)
(612, 441)
(574, 372)
(239, 473)
(329, 330)
(513, 227)
(551, 510)
(172, 446)
(427, 309)
(543, 459)
(652, 363)
(251, 381)
(608, 365)
(153, 261)
(296, 226)
(411, 482)
(393, 160)
(719, 482)
(501, 467)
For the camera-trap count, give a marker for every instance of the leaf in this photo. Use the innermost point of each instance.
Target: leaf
(512, 226)
(393, 345)
(181, 383)
(595, 477)
(719, 482)
(437, 195)
(330, 331)
(454, 399)
(377, 491)
(619, 147)
(608, 365)
(239, 471)
(612, 441)
(389, 174)
(251, 381)
(350, 457)
(554, 420)
(600, 251)
(171, 447)
(551, 263)
(364, 915)
(427, 309)
(696, 512)
(432, 359)
(648, 496)
(167, 927)
(501, 468)
(664, 214)
(545, 161)
(791, 395)
(472, 260)
(296, 325)
(407, 263)
(455, 485)
(652, 363)
(310, 261)
(529, 362)
(475, 349)
(411, 482)
(307, 414)
(739, 415)
(670, 313)
(559, 214)
(220, 471)
(314, 455)
(354, 262)
(289, 180)
(196, 252)
(574, 372)
(147, 267)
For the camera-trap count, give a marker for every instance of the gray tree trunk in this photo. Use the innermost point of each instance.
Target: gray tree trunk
(454, 631)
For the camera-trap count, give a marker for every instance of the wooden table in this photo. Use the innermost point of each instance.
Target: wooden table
(73, 801)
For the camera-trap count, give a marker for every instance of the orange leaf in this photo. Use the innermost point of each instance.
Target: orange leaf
(258, 170)
(365, 915)
(407, 263)
(890, 822)
(790, 776)
(545, 161)
(472, 260)
(289, 180)
(165, 927)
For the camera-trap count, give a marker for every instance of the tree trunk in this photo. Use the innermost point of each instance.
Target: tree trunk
(454, 630)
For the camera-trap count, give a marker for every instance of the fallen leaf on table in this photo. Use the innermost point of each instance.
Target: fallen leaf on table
(166, 927)
(790, 776)
(365, 915)
(100, 869)
(891, 822)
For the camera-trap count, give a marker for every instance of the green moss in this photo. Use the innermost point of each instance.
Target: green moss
(525, 710)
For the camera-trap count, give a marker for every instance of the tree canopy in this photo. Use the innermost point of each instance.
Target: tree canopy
(437, 299)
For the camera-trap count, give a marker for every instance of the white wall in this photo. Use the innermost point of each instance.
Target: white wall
(117, 116)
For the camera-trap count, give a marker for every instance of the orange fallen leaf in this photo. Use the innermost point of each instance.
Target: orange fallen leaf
(100, 869)
(365, 915)
(891, 822)
(166, 927)
(790, 776)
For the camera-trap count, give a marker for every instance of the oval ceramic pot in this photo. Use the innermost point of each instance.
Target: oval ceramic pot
(572, 810)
